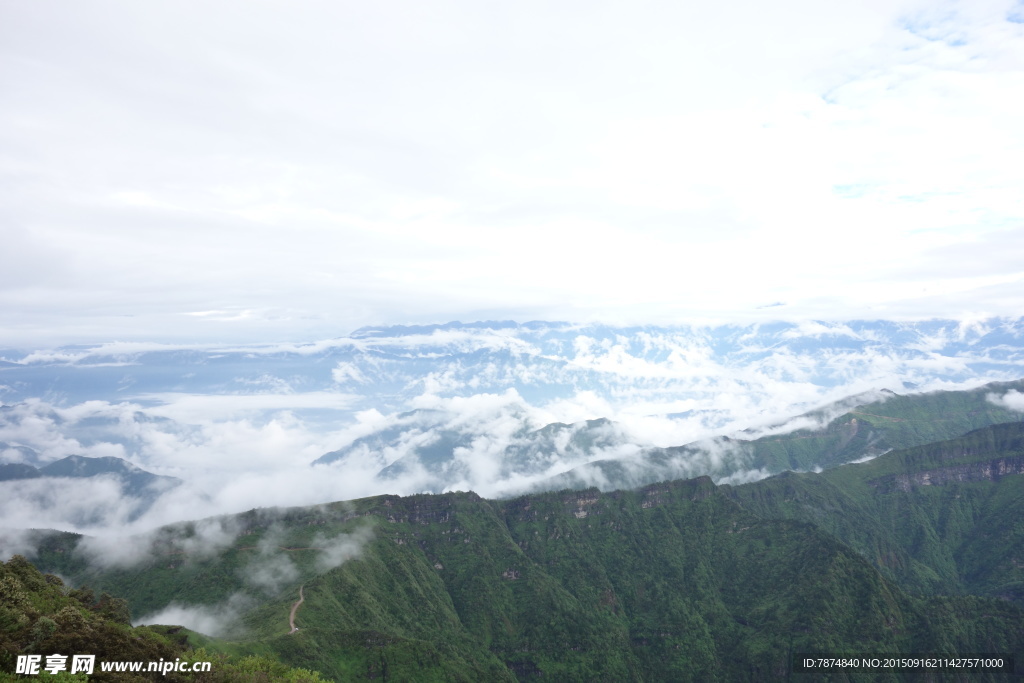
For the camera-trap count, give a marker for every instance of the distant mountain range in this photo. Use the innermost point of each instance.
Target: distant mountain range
(136, 480)
(863, 430)
(657, 367)
(600, 453)
(63, 479)
(443, 449)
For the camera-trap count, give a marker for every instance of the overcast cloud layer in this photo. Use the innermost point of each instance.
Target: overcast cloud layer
(261, 171)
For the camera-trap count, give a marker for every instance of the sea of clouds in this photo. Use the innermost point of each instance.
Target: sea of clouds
(243, 426)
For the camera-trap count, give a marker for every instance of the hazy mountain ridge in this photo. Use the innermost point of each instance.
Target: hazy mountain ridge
(870, 427)
(441, 446)
(137, 480)
(854, 428)
(129, 487)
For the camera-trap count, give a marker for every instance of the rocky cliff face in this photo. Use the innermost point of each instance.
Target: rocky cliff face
(991, 470)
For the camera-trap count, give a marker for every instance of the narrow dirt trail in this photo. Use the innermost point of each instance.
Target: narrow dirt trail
(295, 608)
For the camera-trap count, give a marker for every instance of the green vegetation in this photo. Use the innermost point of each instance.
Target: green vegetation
(675, 581)
(868, 429)
(40, 615)
(918, 550)
(945, 518)
(895, 422)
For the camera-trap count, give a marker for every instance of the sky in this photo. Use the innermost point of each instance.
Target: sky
(269, 171)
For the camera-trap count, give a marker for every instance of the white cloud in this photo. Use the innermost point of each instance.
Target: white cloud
(211, 620)
(207, 407)
(341, 548)
(16, 542)
(37, 425)
(1013, 399)
(271, 572)
(745, 477)
(347, 372)
(114, 545)
(65, 503)
(270, 568)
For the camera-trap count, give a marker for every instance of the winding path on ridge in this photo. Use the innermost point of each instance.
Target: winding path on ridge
(295, 608)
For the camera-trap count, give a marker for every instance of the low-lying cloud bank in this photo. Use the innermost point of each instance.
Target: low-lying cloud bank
(454, 407)
(213, 620)
(1013, 399)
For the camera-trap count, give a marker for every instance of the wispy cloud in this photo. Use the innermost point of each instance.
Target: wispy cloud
(113, 547)
(1014, 400)
(213, 620)
(339, 549)
(269, 570)
(64, 503)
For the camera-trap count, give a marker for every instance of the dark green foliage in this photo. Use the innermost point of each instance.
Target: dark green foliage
(675, 581)
(919, 550)
(945, 518)
(862, 429)
(892, 423)
(38, 617)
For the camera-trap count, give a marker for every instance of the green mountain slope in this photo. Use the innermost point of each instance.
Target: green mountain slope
(863, 428)
(41, 616)
(896, 422)
(675, 581)
(942, 518)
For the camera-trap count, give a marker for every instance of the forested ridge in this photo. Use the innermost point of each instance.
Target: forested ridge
(681, 580)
